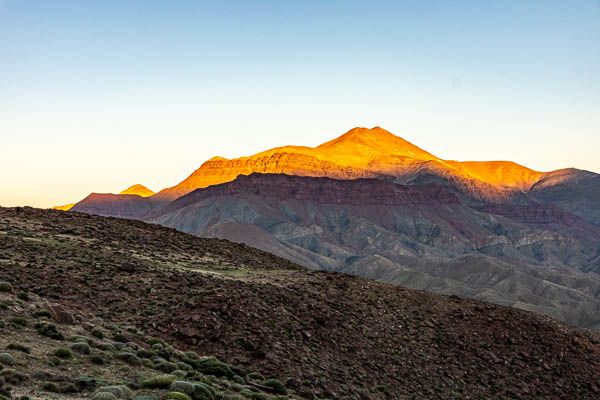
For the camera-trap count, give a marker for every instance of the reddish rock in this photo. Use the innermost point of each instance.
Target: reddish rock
(60, 314)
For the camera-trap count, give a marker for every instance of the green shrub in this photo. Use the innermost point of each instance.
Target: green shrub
(143, 353)
(49, 330)
(239, 379)
(63, 352)
(210, 366)
(179, 373)
(192, 354)
(275, 385)
(158, 382)
(176, 396)
(19, 347)
(106, 347)
(55, 361)
(97, 359)
(183, 366)
(7, 359)
(6, 287)
(255, 376)
(23, 296)
(19, 321)
(158, 347)
(80, 347)
(131, 329)
(182, 387)
(79, 339)
(119, 337)
(97, 333)
(69, 388)
(120, 392)
(166, 366)
(129, 358)
(42, 313)
(153, 341)
(204, 392)
(132, 345)
(104, 396)
(12, 376)
(51, 387)
(253, 396)
(126, 391)
(148, 363)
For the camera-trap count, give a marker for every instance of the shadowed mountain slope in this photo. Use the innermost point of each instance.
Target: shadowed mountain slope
(420, 236)
(322, 334)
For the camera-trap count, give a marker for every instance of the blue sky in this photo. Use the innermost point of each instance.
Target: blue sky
(99, 95)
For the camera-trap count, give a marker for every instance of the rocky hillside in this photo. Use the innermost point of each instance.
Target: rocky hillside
(50, 351)
(533, 256)
(321, 334)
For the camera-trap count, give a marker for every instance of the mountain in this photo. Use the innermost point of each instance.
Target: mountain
(495, 231)
(127, 303)
(361, 153)
(535, 257)
(139, 190)
(574, 190)
(367, 153)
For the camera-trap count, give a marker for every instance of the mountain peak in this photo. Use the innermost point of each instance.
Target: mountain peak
(139, 190)
(369, 143)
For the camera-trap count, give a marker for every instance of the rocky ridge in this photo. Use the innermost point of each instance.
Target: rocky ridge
(322, 334)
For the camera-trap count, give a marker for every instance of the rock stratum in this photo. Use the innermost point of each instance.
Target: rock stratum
(117, 290)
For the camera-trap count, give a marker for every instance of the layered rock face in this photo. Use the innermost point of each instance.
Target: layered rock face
(323, 191)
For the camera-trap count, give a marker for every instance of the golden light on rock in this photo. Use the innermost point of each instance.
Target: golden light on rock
(360, 152)
(66, 207)
(138, 190)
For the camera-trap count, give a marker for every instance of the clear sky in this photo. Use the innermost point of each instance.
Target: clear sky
(99, 95)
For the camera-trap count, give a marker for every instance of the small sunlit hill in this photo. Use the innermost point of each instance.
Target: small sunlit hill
(139, 190)
(66, 207)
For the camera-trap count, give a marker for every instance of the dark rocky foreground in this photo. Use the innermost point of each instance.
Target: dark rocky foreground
(324, 335)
